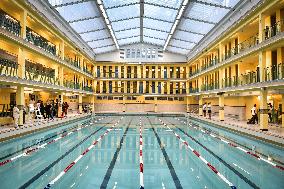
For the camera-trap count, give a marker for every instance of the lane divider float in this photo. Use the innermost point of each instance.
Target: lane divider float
(200, 157)
(205, 131)
(79, 157)
(141, 155)
(37, 148)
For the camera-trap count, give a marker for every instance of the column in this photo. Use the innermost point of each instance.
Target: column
(168, 87)
(131, 85)
(163, 87)
(200, 102)
(21, 62)
(144, 86)
(80, 103)
(119, 71)
(119, 86)
(261, 27)
(175, 72)
(93, 103)
(187, 104)
(132, 72)
(20, 102)
(101, 86)
(113, 71)
(139, 71)
(282, 113)
(263, 111)
(60, 75)
(156, 87)
(156, 106)
(169, 72)
(262, 66)
(221, 76)
(150, 72)
(107, 86)
(23, 22)
(221, 106)
(280, 59)
(124, 105)
(162, 72)
(187, 87)
(157, 72)
(174, 87)
(60, 102)
(95, 71)
(125, 71)
(138, 86)
(144, 71)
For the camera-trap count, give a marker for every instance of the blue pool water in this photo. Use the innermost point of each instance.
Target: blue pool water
(114, 161)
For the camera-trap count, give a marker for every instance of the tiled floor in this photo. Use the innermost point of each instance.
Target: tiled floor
(274, 133)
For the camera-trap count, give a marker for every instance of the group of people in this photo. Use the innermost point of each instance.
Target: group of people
(271, 114)
(40, 110)
(207, 108)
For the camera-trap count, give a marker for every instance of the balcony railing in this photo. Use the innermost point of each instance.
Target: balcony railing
(75, 62)
(9, 23)
(250, 42)
(273, 30)
(40, 73)
(193, 90)
(8, 67)
(275, 72)
(210, 86)
(40, 41)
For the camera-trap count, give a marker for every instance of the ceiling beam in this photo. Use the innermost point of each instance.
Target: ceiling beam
(191, 32)
(106, 20)
(156, 29)
(126, 29)
(158, 19)
(89, 31)
(155, 37)
(184, 40)
(99, 47)
(130, 18)
(162, 6)
(98, 39)
(83, 19)
(211, 4)
(178, 47)
(178, 17)
(198, 20)
(118, 6)
(141, 19)
(128, 37)
(71, 3)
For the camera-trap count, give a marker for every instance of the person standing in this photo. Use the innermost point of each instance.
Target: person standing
(204, 109)
(16, 115)
(254, 115)
(42, 109)
(209, 109)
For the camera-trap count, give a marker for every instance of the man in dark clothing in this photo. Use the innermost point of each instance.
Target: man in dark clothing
(42, 109)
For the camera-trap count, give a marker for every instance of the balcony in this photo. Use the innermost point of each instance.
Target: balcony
(9, 23)
(39, 41)
(273, 30)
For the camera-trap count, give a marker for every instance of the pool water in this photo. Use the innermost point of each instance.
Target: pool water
(166, 153)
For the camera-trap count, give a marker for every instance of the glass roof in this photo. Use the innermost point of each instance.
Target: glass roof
(176, 25)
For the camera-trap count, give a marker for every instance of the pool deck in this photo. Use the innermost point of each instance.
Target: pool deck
(275, 134)
(9, 131)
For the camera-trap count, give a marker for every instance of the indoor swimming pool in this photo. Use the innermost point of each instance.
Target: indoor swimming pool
(132, 151)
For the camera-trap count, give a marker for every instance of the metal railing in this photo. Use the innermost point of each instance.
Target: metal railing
(193, 90)
(40, 41)
(273, 30)
(9, 23)
(6, 110)
(212, 85)
(8, 67)
(40, 73)
(275, 72)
